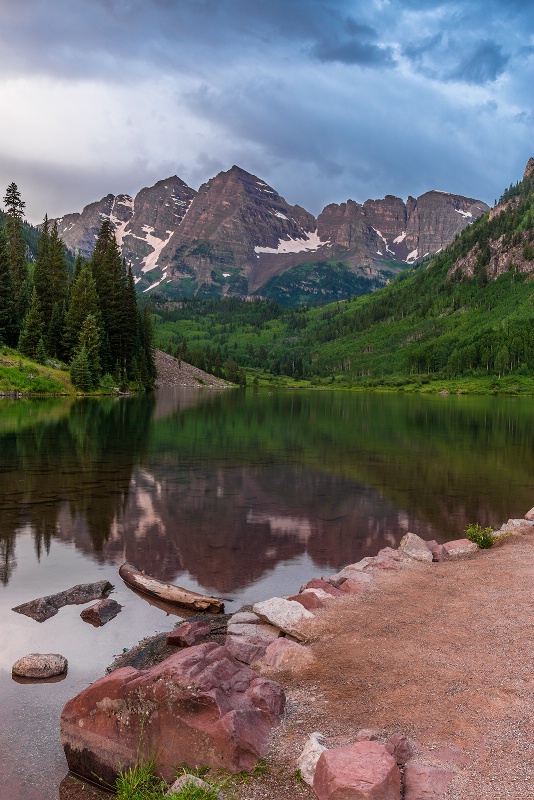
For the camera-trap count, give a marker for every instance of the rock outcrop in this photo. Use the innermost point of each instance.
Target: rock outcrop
(236, 233)
(43, 608)
(361, 771)
(206, 707)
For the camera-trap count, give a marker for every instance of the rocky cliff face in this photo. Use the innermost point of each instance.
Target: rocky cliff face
(236, 233)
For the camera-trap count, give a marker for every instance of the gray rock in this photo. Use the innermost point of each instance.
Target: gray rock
(530, 515)
(188, 780)
(244, 617)
(289, 616)
(43, 608)
(40, 665)
(415, 547)
(459, 548)
(264, 631)
(307, 761)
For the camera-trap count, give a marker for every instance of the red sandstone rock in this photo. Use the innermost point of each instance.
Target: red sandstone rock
(436, 549)
(425, 782)
(101, 612)
(361, 771)
(247, 648)
(352, 587)
(199, 706)
(459, 548)
(319, 583)
(309, 600)
(283, 654)
(400, 748)
(188, 634)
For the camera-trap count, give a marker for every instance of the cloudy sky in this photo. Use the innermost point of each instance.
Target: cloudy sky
(323, 99)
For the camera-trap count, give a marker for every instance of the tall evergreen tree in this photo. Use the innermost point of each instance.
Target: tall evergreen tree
(14, 210)
(50, 274)
(9, 329)
(109, 271)
(32, 328)
(90, 336)
(83, 301)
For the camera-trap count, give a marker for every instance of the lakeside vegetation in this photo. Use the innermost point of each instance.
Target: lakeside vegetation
(433, 328)
(57, 312)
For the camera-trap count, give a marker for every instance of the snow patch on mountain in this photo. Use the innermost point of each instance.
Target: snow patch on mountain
(120, 224)
(466, 214)
(310, 242)
(412, 256)
(151, 260)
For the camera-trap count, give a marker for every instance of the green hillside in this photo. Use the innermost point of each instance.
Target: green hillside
(446, 323)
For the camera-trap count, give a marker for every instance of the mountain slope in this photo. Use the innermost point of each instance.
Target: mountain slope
(237, 234)
(436, 321)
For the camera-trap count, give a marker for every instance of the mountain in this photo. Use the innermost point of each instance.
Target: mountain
(237, 236)
(464, 318)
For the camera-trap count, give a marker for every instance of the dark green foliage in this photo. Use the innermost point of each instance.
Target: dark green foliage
(14, 215)
(9, 328)
(90, 338)
(40, 352)
(83, 301)
(32, 329)
(80, 371)
(483, 537)
(316, 284)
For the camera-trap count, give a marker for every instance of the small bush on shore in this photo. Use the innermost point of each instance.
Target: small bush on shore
(483, 537)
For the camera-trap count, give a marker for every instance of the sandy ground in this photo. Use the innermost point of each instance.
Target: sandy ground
(442, 653)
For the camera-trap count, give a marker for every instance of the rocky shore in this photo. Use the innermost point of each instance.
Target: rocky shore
(406, 675)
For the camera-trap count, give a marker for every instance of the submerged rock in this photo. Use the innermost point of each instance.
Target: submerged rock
(40, 665)
(200, 707)
(43, 608)
(101, 612)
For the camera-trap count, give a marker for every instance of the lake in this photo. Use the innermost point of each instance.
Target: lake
(243, 495)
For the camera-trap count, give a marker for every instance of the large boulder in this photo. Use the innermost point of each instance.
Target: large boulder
(40, 666)
(200, 707)
(287, 615)
(361, 771)
(284, 655)
(188, 633)
(247, 648)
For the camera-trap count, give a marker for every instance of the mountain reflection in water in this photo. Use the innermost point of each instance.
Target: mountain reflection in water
(224, 486)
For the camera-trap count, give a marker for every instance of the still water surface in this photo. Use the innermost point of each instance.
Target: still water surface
(242, 495)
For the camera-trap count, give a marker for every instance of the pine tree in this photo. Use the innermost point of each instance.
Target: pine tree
(109, 271)
(146, 337)
(9, 328)
(90, 336)
(80, 371)
(56, 331)
(14, 209)
(83, 301)
(130, 324)
(32, 328)
(40, 352)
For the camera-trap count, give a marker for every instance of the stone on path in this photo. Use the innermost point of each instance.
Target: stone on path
(325, 586)
(361, 771)
(101, 612)
(459, 548)
(367, 735)
(191, 780)
(263, 630)
(188, 633)
(287, 615)
(40, 665)
(415, 547)
(200, 707)
(355, 576)
(43, 608)
(351, 586)
(426, 782)
(307, 761)
(436, 549)
(284, 655)
(530, 515)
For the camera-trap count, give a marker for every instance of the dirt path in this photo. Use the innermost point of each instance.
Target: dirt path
(443, 653)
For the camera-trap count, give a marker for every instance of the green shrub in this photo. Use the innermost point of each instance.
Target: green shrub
(483, 537)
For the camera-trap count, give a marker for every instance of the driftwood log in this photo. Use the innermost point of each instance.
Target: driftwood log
(168, 592)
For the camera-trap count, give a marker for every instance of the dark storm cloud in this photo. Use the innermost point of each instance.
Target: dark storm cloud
(483, 64)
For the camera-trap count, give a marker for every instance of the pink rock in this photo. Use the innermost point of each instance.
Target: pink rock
(436, 549)
(459, 548)
(386, 563)
(200, 707)
(101, 612)
(352, 587)
(283, 654)
(247, 648)
(361, 771)
(425, 782)
(530, 515)
(400, 748)
(308, 599)
(319, 583)
(188, 634)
